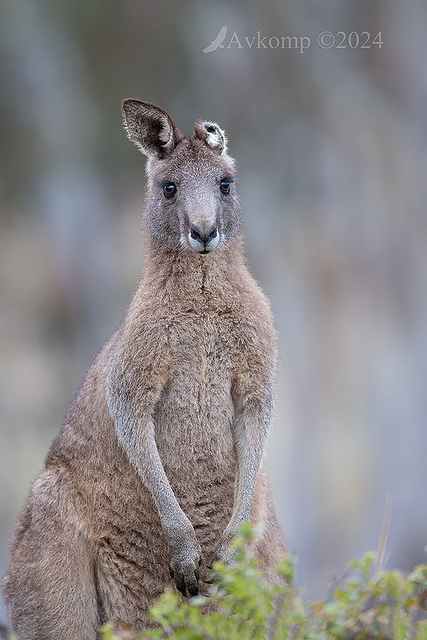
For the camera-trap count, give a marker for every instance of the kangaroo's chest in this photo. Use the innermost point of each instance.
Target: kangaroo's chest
(194, 415)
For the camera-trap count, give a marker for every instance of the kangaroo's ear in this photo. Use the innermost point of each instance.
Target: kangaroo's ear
(150, 128)
(212, 135)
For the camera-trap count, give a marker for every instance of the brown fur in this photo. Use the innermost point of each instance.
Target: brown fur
(159, 457)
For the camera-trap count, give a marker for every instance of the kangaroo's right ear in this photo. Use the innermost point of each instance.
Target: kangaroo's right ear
(150, 128)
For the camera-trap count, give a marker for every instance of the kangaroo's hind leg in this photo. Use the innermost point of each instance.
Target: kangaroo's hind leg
(49, 588)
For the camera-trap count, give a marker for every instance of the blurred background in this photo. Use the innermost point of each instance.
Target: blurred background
(325, 105)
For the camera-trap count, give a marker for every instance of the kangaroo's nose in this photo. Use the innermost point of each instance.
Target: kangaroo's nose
(203, 236)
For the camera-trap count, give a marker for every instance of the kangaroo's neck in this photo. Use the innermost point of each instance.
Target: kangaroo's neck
(178, 273)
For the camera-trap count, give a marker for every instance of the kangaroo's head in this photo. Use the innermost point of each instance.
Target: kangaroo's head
(192, 203)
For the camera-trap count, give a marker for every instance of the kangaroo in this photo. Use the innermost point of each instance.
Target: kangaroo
(159, 458)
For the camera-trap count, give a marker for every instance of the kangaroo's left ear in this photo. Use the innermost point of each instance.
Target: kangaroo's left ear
(213, 136)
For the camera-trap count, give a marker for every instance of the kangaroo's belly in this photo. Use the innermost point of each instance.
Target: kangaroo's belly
(193, 428)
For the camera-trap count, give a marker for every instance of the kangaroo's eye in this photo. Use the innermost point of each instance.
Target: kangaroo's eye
(169, 189)
(224, 185)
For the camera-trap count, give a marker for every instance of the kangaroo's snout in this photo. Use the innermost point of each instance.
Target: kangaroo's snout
(203, 238)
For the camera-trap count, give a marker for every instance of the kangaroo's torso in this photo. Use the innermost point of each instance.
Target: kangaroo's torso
(193, 427)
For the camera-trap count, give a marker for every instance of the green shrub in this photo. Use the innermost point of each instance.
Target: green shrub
(367, 603)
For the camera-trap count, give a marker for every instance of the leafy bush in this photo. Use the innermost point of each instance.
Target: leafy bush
(368, 603)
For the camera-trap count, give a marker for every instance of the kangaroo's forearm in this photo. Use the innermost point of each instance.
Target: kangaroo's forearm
(250, 448)
(138, 442)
